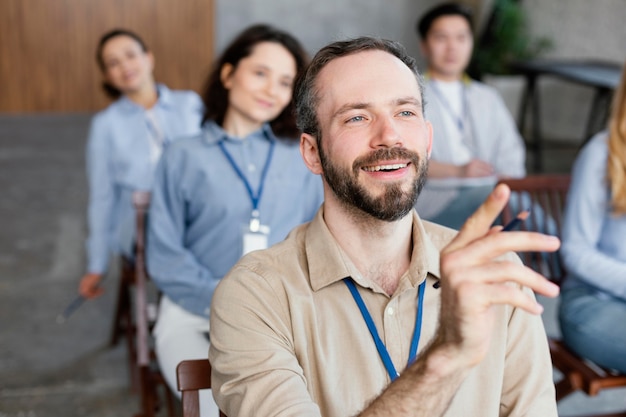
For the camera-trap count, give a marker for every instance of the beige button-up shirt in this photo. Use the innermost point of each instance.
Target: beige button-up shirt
(287, 338)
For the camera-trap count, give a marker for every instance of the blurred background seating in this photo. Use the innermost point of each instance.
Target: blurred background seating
(49, 94)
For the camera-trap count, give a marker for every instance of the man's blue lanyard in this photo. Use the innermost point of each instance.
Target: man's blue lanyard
(255, 198)
(458, 119)
(380, 346)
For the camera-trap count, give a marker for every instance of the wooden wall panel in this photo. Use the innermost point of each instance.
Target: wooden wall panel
(47, 48)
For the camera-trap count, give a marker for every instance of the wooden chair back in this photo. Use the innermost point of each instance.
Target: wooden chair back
(549, 193)
(123, 325)
(545, 196)
(192, 376)
(141, 202)
(151, 381)
(124, 320)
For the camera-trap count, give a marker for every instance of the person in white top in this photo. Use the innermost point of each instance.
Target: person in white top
(475, 138)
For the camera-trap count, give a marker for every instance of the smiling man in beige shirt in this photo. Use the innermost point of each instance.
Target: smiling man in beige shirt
(368, 310)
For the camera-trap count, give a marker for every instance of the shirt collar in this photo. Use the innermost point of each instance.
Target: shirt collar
(165, 99)
(213, 133)
(329, 264)
(165, 96)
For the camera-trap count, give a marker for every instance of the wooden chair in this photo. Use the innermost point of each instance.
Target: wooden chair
(546, 194)
(549, 193)
(124, 325)
(122, 303)
(145, 366)
(123, 320)
(192, 376)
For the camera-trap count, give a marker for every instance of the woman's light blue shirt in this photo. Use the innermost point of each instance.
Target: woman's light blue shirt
(118, 163)
(200, 208)
(594, 240)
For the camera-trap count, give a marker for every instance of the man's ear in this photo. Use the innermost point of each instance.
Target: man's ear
(429, 148)
(225, 73)
(310, 153)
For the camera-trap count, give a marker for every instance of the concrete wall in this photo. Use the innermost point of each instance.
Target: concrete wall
(317, 22)
(578, 28)
(581, 28)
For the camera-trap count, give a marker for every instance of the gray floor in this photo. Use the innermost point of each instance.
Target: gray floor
(47, 369)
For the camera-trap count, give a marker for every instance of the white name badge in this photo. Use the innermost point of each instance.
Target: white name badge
(254, 241)
(255, 236)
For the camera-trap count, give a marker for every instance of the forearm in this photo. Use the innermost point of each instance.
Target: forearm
(97, 247)
(590, 229)
(443, 170)
(179, 275)
(596, 268)
(102, 197)
(174, 266)
(426, 388)
(100, 225)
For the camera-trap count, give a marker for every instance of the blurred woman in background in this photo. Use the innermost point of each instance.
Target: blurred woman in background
(592, 311)
(239, 186)
(125, 142)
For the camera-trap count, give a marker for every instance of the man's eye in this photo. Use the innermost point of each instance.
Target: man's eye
(356, 119)
(407, 113)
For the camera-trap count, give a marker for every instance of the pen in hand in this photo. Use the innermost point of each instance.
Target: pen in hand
(77, 302)
(71, 307)
(523, 215)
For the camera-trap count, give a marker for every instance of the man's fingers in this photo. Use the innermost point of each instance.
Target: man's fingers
(478, 168)
(479, 223)
(497, 244)
(505, 272)
(513, 296)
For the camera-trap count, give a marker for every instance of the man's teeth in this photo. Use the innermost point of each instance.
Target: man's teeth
(385, 167)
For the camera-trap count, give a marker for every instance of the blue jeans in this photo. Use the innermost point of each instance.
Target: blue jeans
(594, 326)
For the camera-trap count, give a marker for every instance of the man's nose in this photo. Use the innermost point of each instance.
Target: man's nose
(387, 134)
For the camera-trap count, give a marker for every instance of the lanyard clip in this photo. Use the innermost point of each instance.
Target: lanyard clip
(255, 221)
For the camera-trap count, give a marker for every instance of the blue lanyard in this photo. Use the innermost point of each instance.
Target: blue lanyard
(380, 346)
(459, 120)
(255, 198)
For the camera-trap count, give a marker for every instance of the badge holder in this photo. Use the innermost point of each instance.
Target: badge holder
(255, 234)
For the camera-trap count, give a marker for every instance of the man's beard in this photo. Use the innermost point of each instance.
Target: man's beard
(394, 203)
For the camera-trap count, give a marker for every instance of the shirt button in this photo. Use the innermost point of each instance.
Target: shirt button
(390, 311)
(251, 167)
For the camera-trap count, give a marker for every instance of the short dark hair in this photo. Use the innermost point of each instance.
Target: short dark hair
(446, 9)
(215, 95)
(109, 90)
(307, 93)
